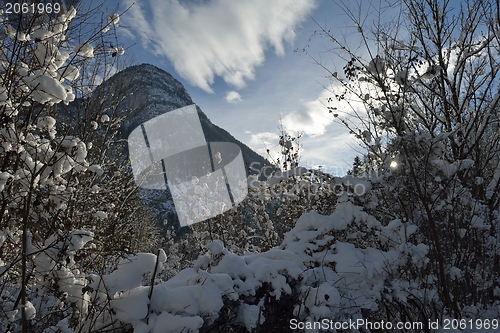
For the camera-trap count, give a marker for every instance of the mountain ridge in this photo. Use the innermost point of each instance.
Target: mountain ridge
(146, 92)
(164, 93)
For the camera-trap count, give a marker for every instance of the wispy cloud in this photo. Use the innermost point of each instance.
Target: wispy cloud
(261, 142)
(333, 151)
(233, 97)
(223, 38)
(326, 141)
(311, 118)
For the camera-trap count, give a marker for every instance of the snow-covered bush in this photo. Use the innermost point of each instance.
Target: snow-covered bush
(423, 100)
(65, 209)
(337, 267)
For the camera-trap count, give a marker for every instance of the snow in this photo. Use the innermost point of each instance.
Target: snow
(41, 34)
(79, 238)
(116, 51)
(249, 316)
(168, 323)
(194, 293)
(68, 15)
(493, 183)
(455, 272)
(253, 182)
(196, 296)
(376, 67)
(10, 30)
(216, 247)
(84, 49)
(100, 214)
(68, 72)
(46, 89)
(450, 169)
(45, 53)
(129, 274)
(114, 19)
(46, 123)
(431, 72)
(131, 305)
(359, 185)
(12, 315)
(63, 164)
(22, 37)
(97, 169)
(479, 223)
(29, 310)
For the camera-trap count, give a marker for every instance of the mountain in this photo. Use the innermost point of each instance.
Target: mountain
(148, 92)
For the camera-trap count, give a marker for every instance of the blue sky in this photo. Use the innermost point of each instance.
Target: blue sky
(237, 60)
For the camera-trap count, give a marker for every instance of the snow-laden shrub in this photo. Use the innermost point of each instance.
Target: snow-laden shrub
(316, 273)
(57, 293)
(61, 186)
(422, 98)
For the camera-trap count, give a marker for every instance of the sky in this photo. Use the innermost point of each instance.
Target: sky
(241, 62)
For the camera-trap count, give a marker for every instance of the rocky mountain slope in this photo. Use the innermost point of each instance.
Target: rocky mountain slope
(148, 92)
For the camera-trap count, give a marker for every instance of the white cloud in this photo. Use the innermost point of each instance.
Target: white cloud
(263, 141)
(335, 151)
(136, 16)
(326, 142)
(310, 118)
(233, 97)
(224, 38)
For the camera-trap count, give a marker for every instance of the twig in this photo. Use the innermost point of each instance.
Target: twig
(152, 284)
